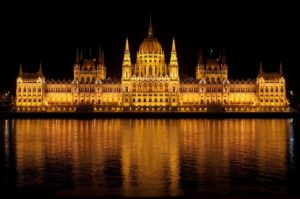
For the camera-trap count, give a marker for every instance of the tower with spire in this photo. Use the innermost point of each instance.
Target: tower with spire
(20, 70)
(173, 66)
(101, 69)
(76, 69)
(224, 66)
(126, 66)
(200, 66)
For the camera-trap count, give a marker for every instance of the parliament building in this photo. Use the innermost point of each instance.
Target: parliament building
(151, 84)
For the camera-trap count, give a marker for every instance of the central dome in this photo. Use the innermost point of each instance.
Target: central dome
(150, 46)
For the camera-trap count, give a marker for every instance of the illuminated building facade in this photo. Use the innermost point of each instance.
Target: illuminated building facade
(151, 84)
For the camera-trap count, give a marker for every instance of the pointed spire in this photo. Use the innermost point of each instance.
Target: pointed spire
(173, 60)
(150, 31)
(100, 56)
(81, 56)
(173, 45)
(280, 68)
(260, 68)
(90, 52)
(20, 69)
(77, 60)
(223, 55)
(127, 45)
(126, 58)
(40, 69)
(200, 57)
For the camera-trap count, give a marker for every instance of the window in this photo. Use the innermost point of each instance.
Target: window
(133, 100)
(174, 100)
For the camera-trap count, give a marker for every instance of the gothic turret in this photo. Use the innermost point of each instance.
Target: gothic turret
(224, 66)
(40, 70)
(173, 67)
(200, 66)
(126, 67)
(101, 69)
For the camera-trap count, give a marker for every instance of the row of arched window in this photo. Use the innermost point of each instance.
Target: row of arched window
(271, 89)
(29, 89)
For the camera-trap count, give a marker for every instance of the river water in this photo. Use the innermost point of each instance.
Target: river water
(150, 157)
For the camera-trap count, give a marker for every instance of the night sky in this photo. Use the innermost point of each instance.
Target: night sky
(49, 33)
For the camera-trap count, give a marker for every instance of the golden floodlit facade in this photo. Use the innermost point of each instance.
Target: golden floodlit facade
(151, 84)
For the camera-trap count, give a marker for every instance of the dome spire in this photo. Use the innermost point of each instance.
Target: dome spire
(280, 68)
(150, 31)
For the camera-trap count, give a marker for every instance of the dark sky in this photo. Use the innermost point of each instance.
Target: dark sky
(50, 32)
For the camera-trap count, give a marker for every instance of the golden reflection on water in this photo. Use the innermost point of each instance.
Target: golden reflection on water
(149, 157)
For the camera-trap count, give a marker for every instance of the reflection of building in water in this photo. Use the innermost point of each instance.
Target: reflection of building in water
(149, 157)
(151, 84)
(8, 172)
(216, 151)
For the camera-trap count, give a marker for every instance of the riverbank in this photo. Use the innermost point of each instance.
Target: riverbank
(91, 115)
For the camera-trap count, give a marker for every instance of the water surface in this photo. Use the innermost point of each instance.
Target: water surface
(150, 157)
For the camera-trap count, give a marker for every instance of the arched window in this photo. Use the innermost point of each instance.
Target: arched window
(94, 79)
(281, 89)
(88, 79)
(82, 80)
(272, 89)
(212, 80)
(24, 89)
(166, 87)
(207, 80)
(34, 89)
(133, 86)
(276, 90)
(267, 90)
(218, 80)
(126, 89)
(174, 89)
